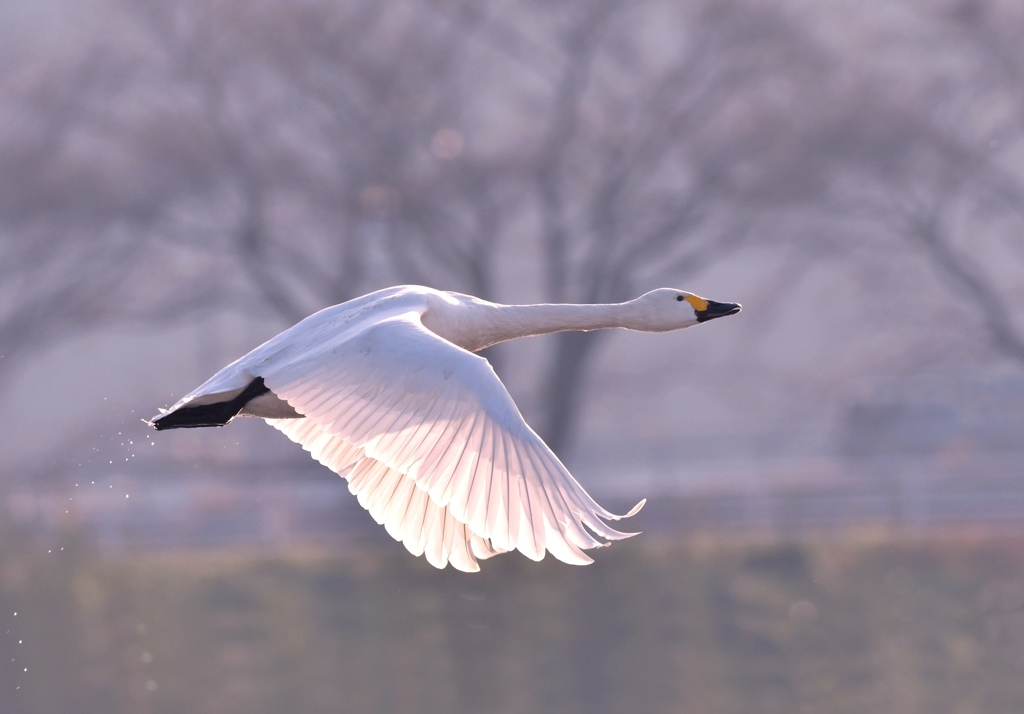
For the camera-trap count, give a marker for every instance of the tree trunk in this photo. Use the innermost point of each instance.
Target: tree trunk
(563, 389)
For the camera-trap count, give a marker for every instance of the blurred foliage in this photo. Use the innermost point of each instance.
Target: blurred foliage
(873, 622)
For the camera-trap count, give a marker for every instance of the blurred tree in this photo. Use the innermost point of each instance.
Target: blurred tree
(291, 156)
(76, 206)
(926, 159)
(984, 143)
(660, 130)
(639, 140)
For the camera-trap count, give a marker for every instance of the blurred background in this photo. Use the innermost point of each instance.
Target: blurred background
(834, 475)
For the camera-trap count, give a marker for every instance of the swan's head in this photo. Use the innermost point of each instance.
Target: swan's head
(667, 309)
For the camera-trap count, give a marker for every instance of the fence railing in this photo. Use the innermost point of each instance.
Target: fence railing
(211, 511)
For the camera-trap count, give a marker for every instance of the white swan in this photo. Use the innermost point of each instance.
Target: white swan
(386, 391)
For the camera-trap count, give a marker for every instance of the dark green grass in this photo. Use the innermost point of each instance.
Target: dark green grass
(872, 622)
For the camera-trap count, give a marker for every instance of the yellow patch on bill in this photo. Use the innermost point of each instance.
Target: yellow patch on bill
(699, 303)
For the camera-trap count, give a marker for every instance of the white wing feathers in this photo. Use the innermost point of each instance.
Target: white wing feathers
(433, 445)
(409, 516)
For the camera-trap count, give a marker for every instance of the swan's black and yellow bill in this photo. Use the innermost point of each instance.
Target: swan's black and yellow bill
(717, 309)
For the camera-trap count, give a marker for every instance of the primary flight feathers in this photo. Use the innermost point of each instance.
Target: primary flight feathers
(386, 391)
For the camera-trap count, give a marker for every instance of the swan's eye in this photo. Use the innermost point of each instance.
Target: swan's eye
(680, 298)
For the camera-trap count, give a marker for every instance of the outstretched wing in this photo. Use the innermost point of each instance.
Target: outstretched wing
(432, 443)
(408, 513)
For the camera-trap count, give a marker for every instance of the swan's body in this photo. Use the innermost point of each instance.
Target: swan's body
(386, 391)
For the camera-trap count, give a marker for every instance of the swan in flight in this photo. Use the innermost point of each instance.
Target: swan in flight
(386, 391)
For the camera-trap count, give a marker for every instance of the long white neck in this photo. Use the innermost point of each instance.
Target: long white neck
(484, 324)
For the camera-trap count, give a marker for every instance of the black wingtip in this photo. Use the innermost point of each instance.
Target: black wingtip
(189, 417)
(217, 414)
